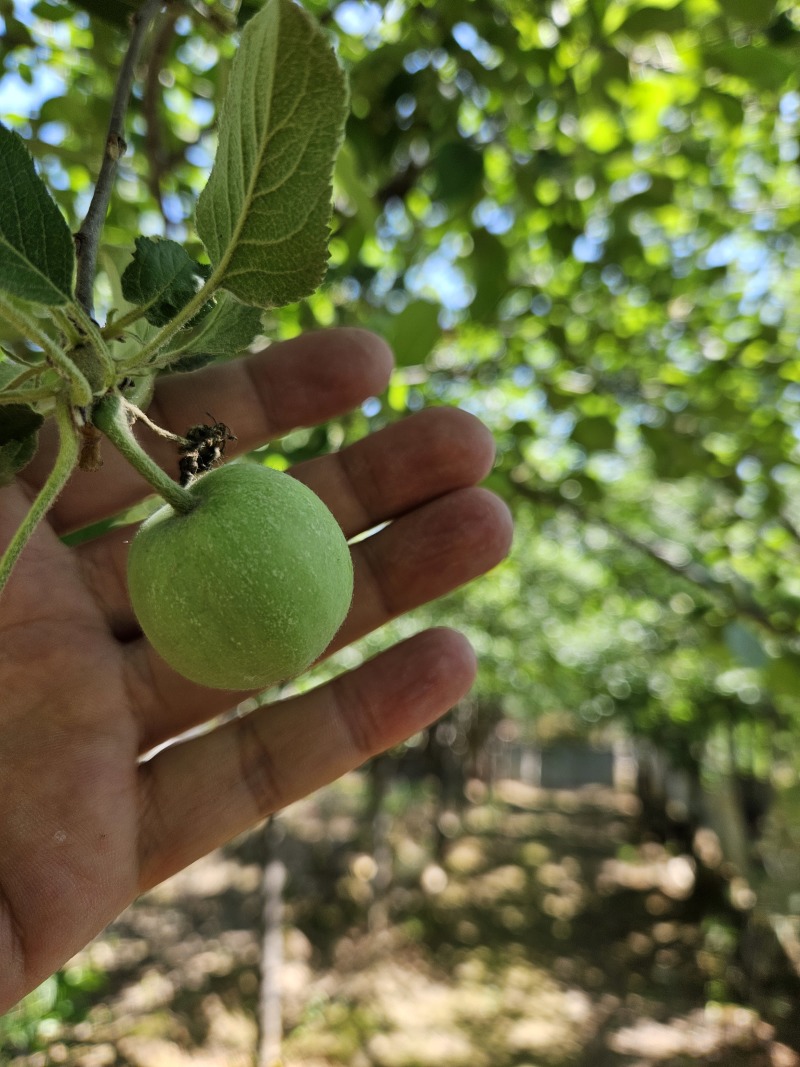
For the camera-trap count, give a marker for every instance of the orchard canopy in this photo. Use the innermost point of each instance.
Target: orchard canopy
(579, 219)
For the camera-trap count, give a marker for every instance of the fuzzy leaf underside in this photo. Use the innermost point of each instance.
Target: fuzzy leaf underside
(163, 278)
(9, 368)
(37, 255)
(225, 332)
(264, 214)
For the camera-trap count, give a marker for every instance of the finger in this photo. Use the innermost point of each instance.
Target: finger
(423, 556)
(383, 476)
(390, 472)
(46, 584)
(296, 383)
(201, 793)
(418, 558)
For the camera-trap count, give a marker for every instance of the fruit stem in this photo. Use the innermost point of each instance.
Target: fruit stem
(110, 414)
(66, 459)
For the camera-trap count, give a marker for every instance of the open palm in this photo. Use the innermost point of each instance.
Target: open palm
(85, 824)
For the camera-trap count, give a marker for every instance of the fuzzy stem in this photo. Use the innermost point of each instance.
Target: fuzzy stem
(27, 359)
(26, 326)
(114, 327)
(81, 391)
(186, 314)
(25, 396)
(22, 377)
(65, 464)
(65, 324)
(110, 415)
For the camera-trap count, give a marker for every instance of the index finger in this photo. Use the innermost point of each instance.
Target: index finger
(291, 384)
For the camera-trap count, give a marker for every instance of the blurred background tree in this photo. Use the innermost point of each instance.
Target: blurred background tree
(580, 220)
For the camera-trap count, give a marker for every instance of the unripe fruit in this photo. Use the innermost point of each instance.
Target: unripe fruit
(249, 587)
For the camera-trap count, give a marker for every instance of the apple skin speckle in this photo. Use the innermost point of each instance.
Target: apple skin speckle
(248, 588)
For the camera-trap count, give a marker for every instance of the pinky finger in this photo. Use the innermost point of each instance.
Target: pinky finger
(199, 794)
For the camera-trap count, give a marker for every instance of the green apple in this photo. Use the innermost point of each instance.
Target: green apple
(249, 587)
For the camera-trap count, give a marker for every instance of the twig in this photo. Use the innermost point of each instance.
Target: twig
(87, 239)
(157, 156)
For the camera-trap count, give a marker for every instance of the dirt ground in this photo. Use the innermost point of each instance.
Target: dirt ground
(549, 933)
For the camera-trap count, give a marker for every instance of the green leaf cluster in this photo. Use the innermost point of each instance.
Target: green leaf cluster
(580, 224)
(263, 215)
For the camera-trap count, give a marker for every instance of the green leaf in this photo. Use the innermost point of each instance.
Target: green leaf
(227, 331)
(651, 20)
(674, 455)
(753, 12)
(117, 13)
(458, 170)
(595, 433)
(53, 12)
(264, 214)
(350, 178)
(37, 256)
(490, 260)
(744, 645)
(8, 368)
(762, 68)
(19, 426)
(413, 332)
(162, 277)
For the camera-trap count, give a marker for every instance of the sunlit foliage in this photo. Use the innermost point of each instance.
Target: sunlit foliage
(580, 220)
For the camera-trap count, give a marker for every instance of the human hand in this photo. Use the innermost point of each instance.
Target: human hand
(85, 824)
